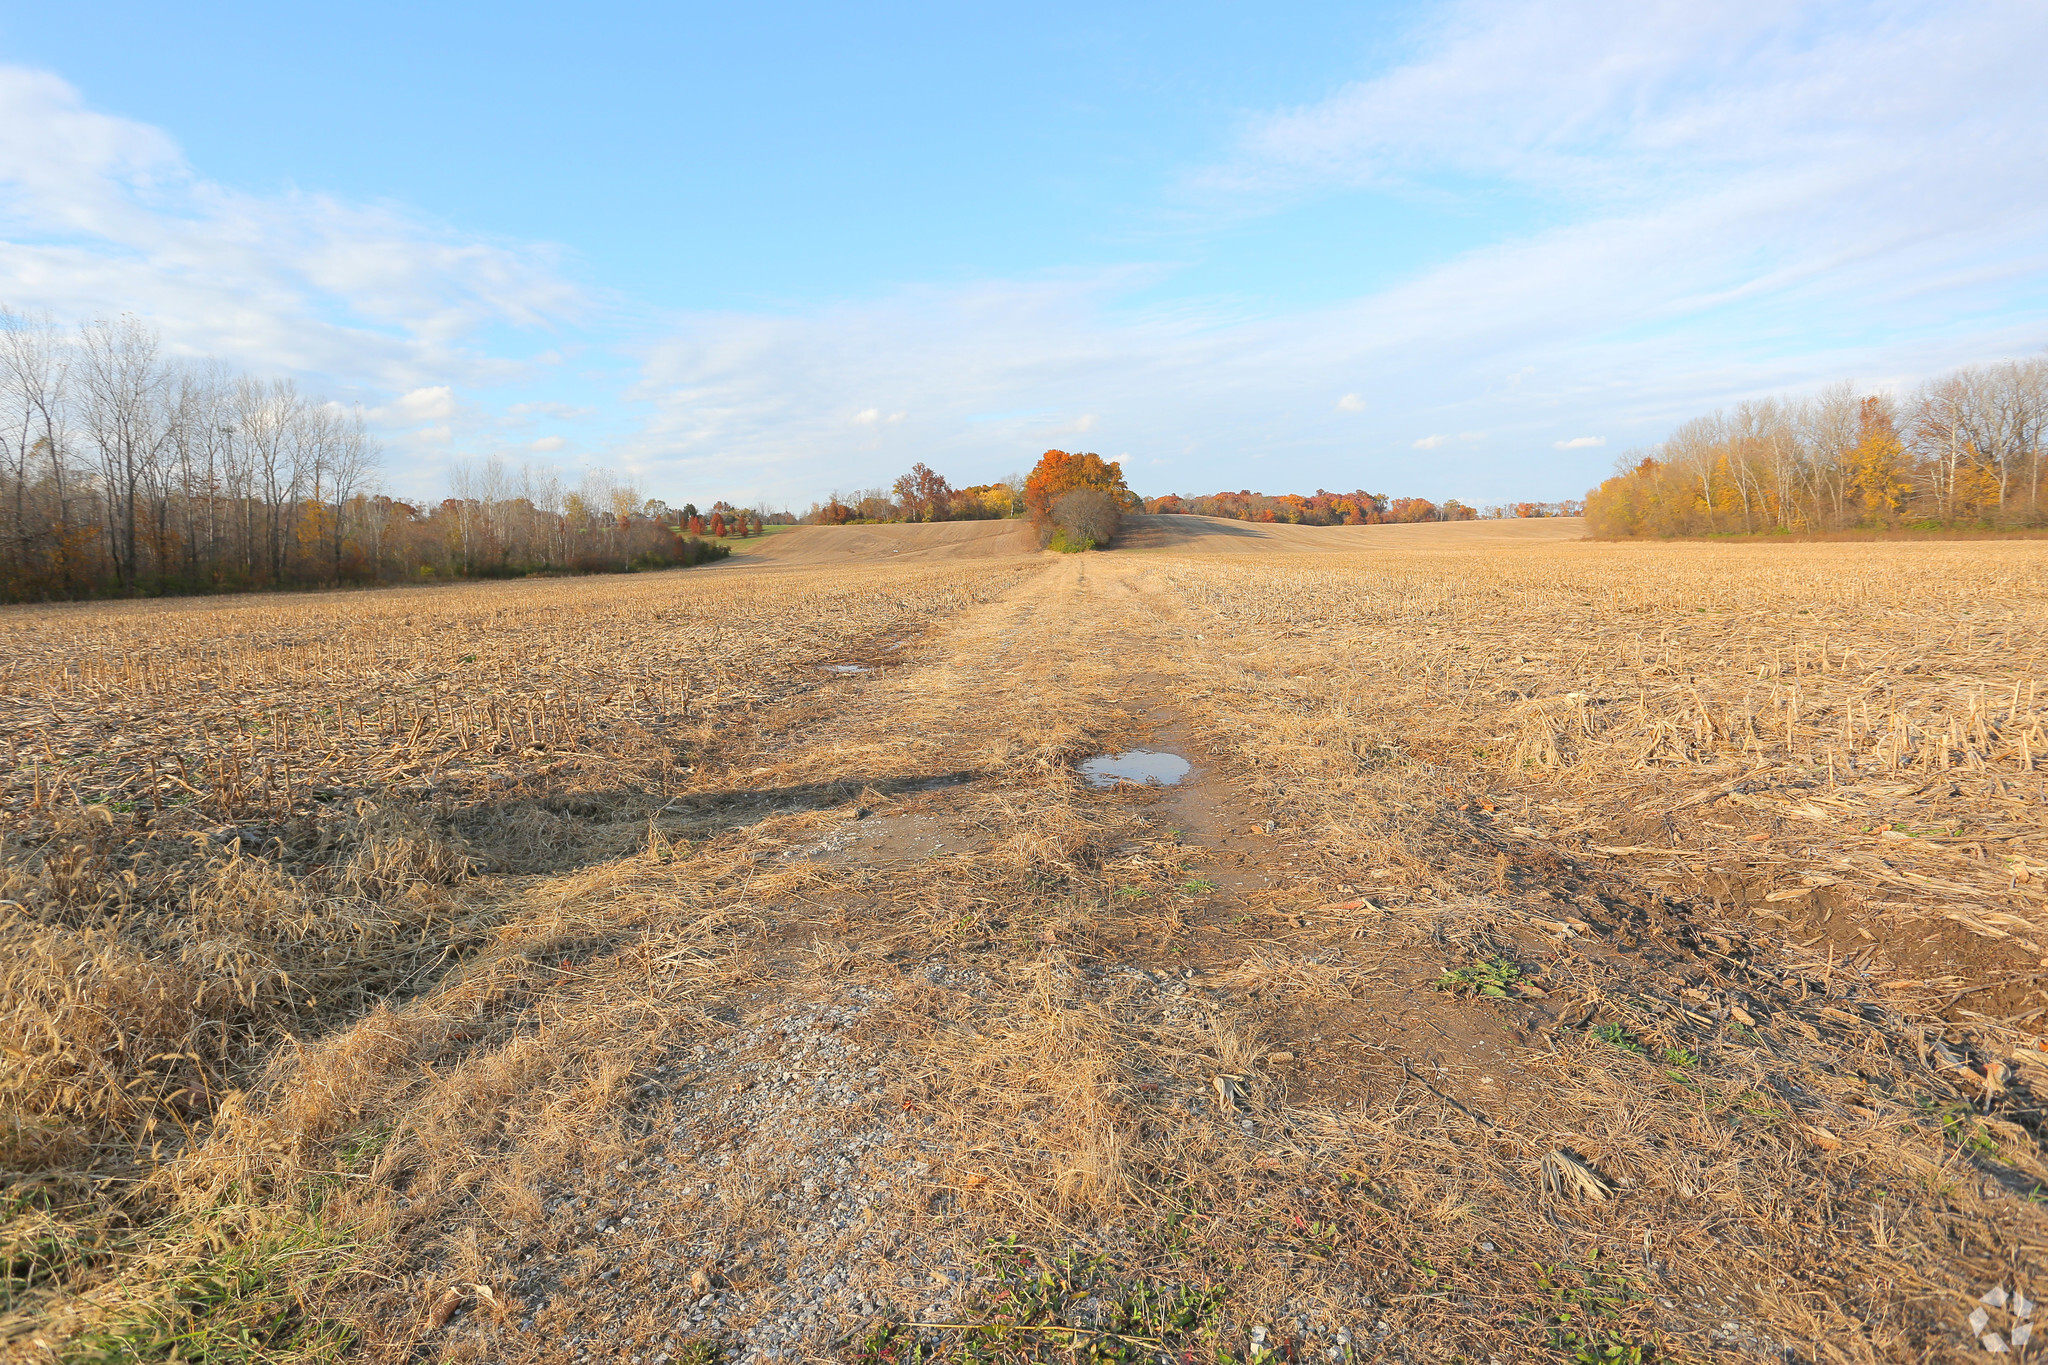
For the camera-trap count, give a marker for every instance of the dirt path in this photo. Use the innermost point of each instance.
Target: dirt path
(938, 1035)
(837, 1152)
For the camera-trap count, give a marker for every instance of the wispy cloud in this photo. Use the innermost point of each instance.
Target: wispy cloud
(434, 404)
(1729, 199)
(100, 214)
(1738, 198)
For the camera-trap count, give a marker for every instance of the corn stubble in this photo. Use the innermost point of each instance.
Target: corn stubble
(1803, 788)
(242, 838)
(380, 922)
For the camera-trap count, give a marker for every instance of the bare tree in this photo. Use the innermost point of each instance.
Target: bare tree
(32, 390)
(351, 465)
(122, 377)
(270, 422)
(1939, 429)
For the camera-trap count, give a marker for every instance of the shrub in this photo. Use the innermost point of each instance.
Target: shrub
(1084, 518)
(1059, 472)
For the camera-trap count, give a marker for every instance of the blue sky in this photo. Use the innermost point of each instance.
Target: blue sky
(1470, 250)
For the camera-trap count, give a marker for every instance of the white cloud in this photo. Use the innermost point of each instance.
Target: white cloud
(1714, 179)
(1625, 101)
(1580, 442)
(548, 445)
(566, 411)
(435, 404)
(100, 214)
(1707, 181)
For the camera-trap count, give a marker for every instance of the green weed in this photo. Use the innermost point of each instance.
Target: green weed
(1588, 1303)
(1960, 1126)
(238, 1301)
(1490, 978)
(1617, 1036)
(1077, 1309)
(893, 1343)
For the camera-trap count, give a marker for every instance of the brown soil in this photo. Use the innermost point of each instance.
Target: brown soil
(912, 542)
(1217, 535)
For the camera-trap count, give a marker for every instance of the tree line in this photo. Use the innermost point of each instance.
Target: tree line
(1964, 451)
(923, 494)
(1322, 508)
(124, 472)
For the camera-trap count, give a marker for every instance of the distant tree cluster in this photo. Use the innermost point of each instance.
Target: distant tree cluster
(921, 495)
(726, 522)
(502, 523)
(1500, 511)
(1319, 509)
(1964, 451)
(124, 473)
(1077, 502)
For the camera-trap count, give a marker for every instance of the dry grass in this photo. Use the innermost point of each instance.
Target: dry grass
(562, 960)
(1874, 711)
(1801, 786)
(230, 826)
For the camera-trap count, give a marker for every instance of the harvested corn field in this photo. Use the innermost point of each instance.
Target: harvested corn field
(1560, 951)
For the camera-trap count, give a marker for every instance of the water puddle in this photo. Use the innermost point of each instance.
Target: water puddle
(1146, 767)
(846, 668)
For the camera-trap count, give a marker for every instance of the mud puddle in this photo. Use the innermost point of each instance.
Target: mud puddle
(1144, 767)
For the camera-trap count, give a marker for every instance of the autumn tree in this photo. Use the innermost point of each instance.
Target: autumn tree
(1059, 472)
(1877, 465)
(1966, 449)
(923, 494)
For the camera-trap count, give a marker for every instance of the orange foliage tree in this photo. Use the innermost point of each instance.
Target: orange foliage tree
(923, 494)
(1058, 473)
(1323, 508)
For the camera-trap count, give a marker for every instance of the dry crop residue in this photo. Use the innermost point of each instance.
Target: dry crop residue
(1456, 1008)
(238, 823)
